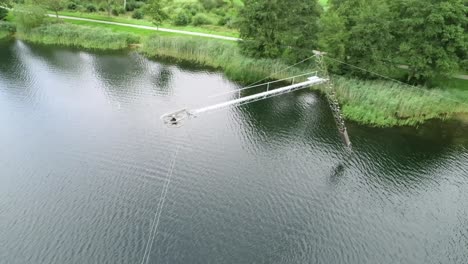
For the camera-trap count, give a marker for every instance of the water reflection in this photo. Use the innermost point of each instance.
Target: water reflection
(84, 159)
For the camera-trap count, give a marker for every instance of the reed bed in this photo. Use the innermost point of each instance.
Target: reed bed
(385, 103)
(220, 55)
(79, 36)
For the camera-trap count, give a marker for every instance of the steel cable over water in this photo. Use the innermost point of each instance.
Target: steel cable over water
(157, 215)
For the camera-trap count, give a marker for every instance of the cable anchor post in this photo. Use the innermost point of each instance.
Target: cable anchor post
(330, 92)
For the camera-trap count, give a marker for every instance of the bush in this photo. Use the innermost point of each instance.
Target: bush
(117, 10)
(28, 17)
(102, 7)
(91, 8)
(7, 26)
(138, 14)
(72, 6)
(183, 18)
(139, 4)
(3, 13)
(192, 8)
(201, 19)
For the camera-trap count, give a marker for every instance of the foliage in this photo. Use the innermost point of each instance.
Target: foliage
(217, 54)
(385, 104)
(28, 17)
(3, 13)
(183, 18)
(91, 8)
(138, 14)
(79, 36)
(7, 27)
(201, 19)
(275, 28)
(54, 5)
(432, 36)
(71, 5)
(102, 7)
(117, 10)
(154, 10)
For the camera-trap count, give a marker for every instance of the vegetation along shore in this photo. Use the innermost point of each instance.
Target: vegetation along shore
(363, 37)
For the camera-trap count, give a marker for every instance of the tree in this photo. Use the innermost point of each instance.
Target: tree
(108, 4)
(432, 36)
(28, 17)
(333, 37)
(359, 32)
(272, 28)
(154, 10)
(55, 5)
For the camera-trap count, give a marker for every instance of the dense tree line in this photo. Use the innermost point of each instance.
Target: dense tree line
(429, 37)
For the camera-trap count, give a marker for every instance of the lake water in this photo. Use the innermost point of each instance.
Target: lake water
(84, 158)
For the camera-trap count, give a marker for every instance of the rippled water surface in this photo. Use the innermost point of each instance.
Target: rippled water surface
(84, 158)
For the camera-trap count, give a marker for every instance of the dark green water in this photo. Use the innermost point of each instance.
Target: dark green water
(84, 156)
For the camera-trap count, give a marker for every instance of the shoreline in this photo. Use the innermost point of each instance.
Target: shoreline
(370, 103)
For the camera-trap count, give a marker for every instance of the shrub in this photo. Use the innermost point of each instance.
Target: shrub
(91, 8)
(102, 7)
(201, 19)
(138, 14)
(121, 10)
(192, 8)
(117, 10)
(72, 6)
(139, 4)
(183, 18)
(7, 26)
(3, 13)
(28, 17)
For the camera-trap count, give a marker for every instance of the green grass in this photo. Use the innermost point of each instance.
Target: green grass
(219, 55)
(208, 29)
(79, 36)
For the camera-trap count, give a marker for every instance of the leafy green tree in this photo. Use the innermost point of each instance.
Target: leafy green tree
(272, 28)
(28, 17)
(333, 37)
(154, 10)
(359, 32)
(3, 13)
(55, 5)
(109, 4)
(432, 36)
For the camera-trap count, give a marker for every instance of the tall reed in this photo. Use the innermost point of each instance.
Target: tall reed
(218, 54)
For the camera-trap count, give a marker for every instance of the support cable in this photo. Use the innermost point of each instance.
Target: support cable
(157, 215)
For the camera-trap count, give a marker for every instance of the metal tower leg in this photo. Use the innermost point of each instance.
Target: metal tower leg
(330, 92)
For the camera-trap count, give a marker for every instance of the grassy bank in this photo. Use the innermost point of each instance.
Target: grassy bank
(79, 36)
(217, 54)
(375, 103)
(208, 29)
(384, 103)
